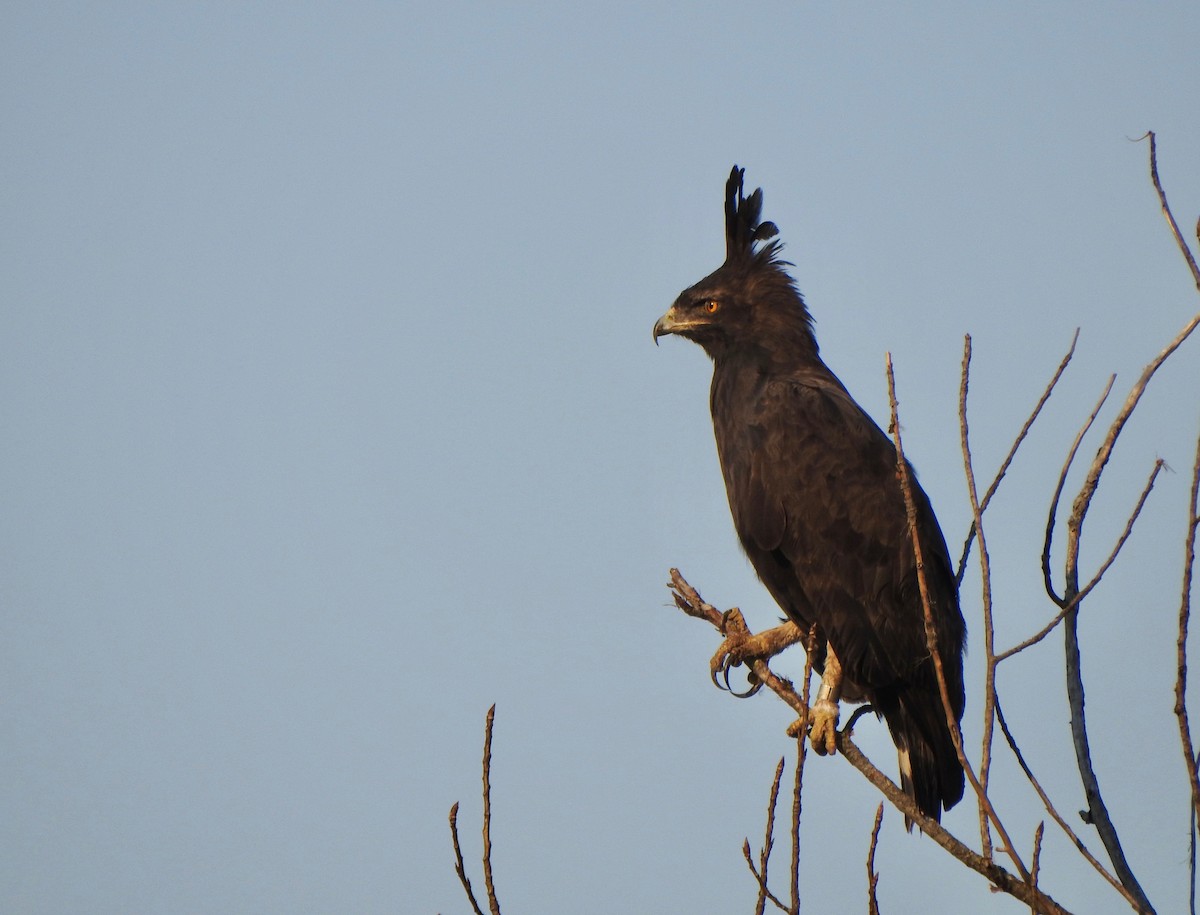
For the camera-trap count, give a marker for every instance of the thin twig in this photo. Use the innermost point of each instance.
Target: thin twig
(985, 569)
(1052, 518)
(1069, 606)
(1185, 612)
(459, 865)
(872, 874)
(810, 649)
(762, 884)
(493, 904)
(1162, 198)
(931, 636)
(1036, 865)
(1053, 811)
(1008, 458)
(764, 857)
(1192, 862)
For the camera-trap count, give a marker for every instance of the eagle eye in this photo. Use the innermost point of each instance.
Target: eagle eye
(711, 306)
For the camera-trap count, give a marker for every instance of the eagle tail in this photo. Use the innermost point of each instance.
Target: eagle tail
(929, 770)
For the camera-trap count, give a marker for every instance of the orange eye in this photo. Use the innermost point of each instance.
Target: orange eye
(711, 306)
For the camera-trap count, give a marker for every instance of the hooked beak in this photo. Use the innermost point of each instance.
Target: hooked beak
(667, 324)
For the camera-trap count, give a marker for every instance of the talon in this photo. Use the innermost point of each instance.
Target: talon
(736, 650)
(823, 734)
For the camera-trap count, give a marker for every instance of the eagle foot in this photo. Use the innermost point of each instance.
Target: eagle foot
(739, 647)
(743, 647)
(822, 735)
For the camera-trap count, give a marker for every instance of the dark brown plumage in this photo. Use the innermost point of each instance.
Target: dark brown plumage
(812, 485)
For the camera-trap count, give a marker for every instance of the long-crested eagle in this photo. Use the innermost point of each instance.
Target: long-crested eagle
(814, 491)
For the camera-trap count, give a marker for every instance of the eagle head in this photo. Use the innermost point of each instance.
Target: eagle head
(749, 296)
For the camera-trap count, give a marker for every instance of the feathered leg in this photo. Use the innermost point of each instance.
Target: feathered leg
(824, 713)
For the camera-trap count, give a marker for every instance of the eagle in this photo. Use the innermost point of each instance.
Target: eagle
(816, 500)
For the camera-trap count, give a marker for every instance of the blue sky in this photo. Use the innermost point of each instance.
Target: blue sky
(332, 417)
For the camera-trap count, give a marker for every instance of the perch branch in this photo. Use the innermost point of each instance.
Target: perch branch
(689, 601)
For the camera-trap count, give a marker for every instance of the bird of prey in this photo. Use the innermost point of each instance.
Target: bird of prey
(816, 500)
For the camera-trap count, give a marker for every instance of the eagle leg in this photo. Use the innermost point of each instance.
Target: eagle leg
(824, 714)
(743, 647)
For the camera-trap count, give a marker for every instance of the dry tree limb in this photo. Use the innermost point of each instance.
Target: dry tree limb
(931, 635)
(1012, 452)
(1097, 810)
(1035, 867)
(997, 875)
(801, 753)
(493, 904)
(1053, 811)
(1052, 518)
(1070, 606)
(689, 601)
(872, 874)
(1166, 208)
(764, 892)
(1185, 611)
(985, 570)
(764, 857)
(459, 866)
(810, 649)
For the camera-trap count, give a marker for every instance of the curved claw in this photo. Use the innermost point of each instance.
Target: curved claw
(722, 663)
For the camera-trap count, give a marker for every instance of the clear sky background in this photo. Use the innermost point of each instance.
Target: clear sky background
(331, 417)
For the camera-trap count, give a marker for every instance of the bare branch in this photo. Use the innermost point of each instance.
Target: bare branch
(1096, 807)
(1053, 811)
(1051, 520)
(493, 904)
(1162, 198)
(1037, 862)
(998, 876)
(764, 857)
(762, 884)
(989, 640)
(931, 638)
(872, 874)
(1071, 605)
(1008, 459)
(810, 648)
(1097, 811)
(459, 865)
(1185, 612)
(1192, 861)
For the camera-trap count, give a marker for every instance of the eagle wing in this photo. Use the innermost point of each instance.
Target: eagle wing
(812, 486)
